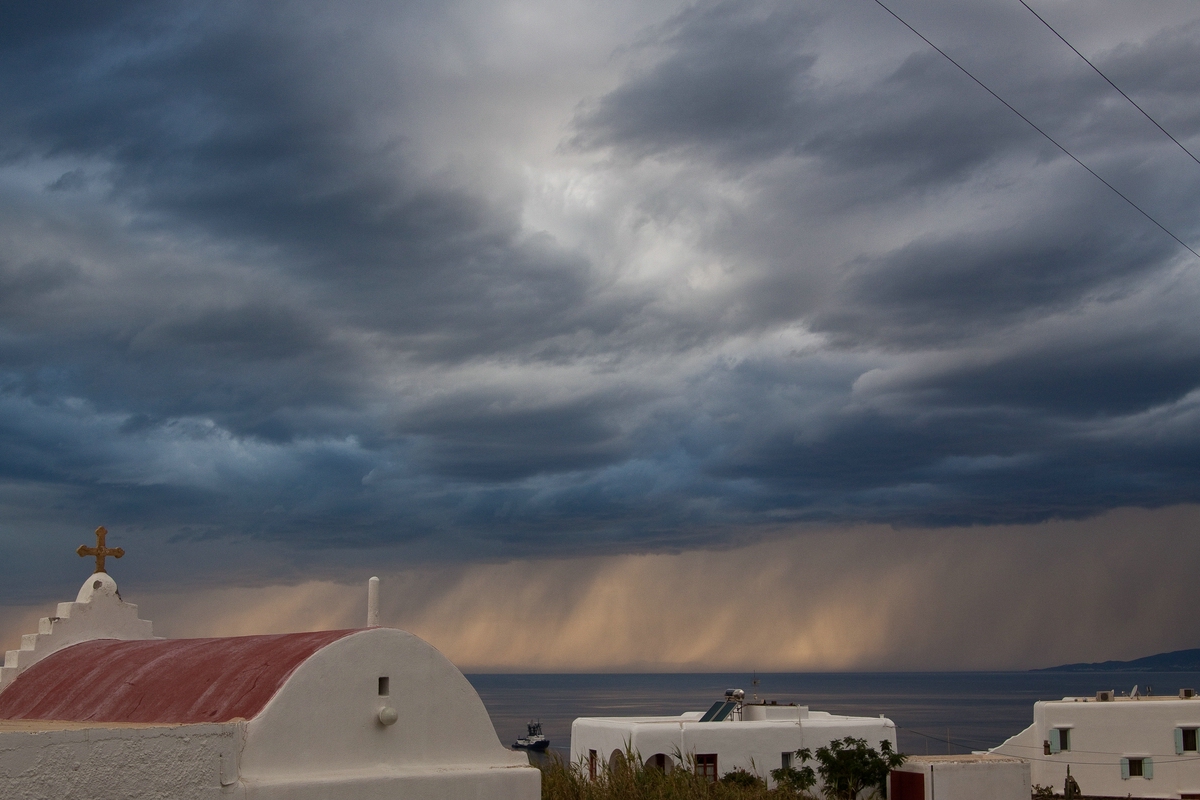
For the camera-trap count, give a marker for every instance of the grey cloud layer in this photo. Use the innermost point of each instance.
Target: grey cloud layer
(278, 273)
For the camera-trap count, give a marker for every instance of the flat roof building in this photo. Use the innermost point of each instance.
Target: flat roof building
(732, 735)
(1134, 746)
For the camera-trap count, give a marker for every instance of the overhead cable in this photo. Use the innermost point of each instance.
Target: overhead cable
(1031, 124)
(1110, 83)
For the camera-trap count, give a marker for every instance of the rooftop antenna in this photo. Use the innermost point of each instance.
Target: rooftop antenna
(754, 685)
(373, 603)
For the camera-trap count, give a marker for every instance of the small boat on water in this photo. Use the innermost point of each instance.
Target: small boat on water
(534, 740)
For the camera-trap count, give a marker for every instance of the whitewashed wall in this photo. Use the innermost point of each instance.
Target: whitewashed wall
(117, 763)
(1102, 733)
(972, 777)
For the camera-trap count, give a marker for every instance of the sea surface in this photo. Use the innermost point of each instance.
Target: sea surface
(935, 712)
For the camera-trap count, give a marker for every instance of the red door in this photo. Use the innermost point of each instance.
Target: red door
(907, 786)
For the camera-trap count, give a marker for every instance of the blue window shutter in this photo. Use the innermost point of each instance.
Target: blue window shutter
(1147, 769)
(1179, 741)
(1055, 740)
(1124, 769)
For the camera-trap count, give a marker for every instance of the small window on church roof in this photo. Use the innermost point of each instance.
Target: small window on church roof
(383, 686)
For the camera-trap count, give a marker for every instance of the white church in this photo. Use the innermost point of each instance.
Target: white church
(93, 705)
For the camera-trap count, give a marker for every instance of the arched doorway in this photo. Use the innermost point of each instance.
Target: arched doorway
(661, 762)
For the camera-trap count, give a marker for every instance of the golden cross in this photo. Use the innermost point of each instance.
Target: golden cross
(100, 551)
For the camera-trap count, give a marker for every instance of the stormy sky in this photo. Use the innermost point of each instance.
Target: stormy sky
(292, 290)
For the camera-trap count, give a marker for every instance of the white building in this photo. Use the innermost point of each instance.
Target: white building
(94, 706)
(1115, 746)
(980, 776)
(756, 737)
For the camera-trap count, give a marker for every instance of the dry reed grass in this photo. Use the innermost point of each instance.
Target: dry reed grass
(632, 780)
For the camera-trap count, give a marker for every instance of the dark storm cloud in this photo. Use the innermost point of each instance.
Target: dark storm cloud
(344, 279)
(21, 284)
(1159, 72)
(733, 78)
(1075, 248)
(740, 81)
(940, 290)
(248, 124)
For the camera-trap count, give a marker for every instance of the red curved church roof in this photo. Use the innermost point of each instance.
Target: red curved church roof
(160, 680)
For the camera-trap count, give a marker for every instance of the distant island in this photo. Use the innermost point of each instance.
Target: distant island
(1178, 661)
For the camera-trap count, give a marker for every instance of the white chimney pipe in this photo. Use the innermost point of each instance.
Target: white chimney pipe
(373, 603)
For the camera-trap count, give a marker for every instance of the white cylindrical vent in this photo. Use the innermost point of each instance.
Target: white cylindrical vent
(373, 603)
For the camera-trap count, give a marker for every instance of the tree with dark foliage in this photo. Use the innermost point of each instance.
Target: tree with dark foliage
(848, 766)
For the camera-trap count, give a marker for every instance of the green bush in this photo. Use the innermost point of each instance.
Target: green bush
(795, 781)
(848, 766)
(742, 778)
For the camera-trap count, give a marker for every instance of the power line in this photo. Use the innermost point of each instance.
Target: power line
(1049, 138)
(1110, 83)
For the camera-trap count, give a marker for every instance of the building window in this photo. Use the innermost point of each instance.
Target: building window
(785, 760)
(706, 766)
(1185, 740)
(592, 764)
(1060, 740)
(1137, 768)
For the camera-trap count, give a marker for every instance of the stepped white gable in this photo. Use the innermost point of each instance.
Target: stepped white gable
(97, 613)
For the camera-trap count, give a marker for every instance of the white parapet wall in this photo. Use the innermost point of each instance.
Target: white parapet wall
(965, 777)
